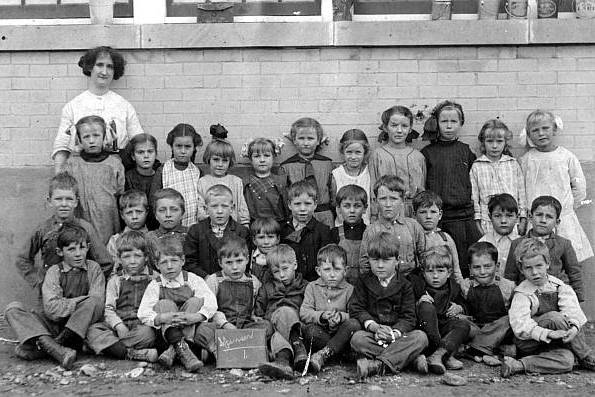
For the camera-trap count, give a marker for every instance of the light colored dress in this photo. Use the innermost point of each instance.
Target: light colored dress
(342, 178)
(185, 182)
(559, 174)
(240, 213)
(489, 178)
(99, 184)
(115, 110)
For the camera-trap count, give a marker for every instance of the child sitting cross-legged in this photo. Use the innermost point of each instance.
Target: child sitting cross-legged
(266, 234)
(279, 301)
(439, 304)
(178, 303)
(545, 317)
(384, 304)
(72, 294)
(488, 298)
(121, 334)
(235, 290)
(327, 326)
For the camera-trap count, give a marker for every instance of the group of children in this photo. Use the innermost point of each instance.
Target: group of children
(331, 263)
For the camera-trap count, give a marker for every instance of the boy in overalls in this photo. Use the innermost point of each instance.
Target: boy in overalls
(352, 203)
(179, 303)
(545, 317)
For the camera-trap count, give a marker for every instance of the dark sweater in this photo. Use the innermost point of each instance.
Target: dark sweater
(274, 294)
(448, 164)
(443, 296)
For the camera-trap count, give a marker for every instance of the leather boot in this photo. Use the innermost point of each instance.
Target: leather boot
(435, 364)
(28, 352)
(420, 364)
(510, 366)
(166, 358)
(453, 364)
(148, 355)
(64, 355)
(320, 358)
(186, 357)
(280, 368)
(367, 368)
(300, 355)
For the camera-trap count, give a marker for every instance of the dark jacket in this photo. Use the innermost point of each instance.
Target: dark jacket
(201, 246)
(393, 305)
(420, 287)
(563, 263)
(274, 294)
(313, 237)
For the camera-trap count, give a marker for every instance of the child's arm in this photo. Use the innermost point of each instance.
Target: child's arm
(25, 262)
(373, 170)
(364, 261)
(261, 303)
(112, 292)
(97, 250)
(578, 184)
(243, 213)
(573, 269)
(133, 126)
(522, 198)
(511, 270)
(191, 251)
(456, 268)
(475, 196)
(156, 184)
(569, 306)
(55, 305)
(406, 321)
(202, 290)
(145, 312)
(308, 312)
(358, 305)
(523, 326)
(333, 191)
(96, 281)
(419, 239)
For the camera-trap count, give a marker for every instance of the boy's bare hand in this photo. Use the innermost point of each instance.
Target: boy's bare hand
(183, 318)
(478, 224)
(454, 310)
(165, 318)
(229, 326)
(558, 334)
(570, 334)
(384, 333)
(426, 298)
(326, 315)
(122, 330)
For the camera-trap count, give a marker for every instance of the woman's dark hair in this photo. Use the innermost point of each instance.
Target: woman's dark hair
(87, 61)
(184, 130)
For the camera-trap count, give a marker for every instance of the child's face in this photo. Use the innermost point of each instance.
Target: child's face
(91, 136)
(182, 148)
(102, 73)
(544, 220)
(63, 202)
(306, 141)
(74, 254)
(351, 210)
(390, 203)
(494, 146)
(219, 165)
(144, 155)
(535, 270)
(428, 217)
(483, 269)
(262, 162)
(503, 221)
(134, 217)
(541, 134)
(234, 266)
(284, 272)
(449, 124)
(354, 155)
(302, 208)
(133, 261)
(398, 127)
(331, 273)
(168, 213)
(265, 241)
(219, 209)
(436, 276)
(170, 266)
(384, 268)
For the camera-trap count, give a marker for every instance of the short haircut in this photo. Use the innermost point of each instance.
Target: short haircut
(483, 248)
(385, 118)
(354, 136)
(182, 130)
(63, 181)
(261, 145)
(265, 225)
(495, 128)
(87, 61)
(331, 252)
(538, 116)
(71, 233)
(139, 139)
(233, 246)
(133, 198)
(505, 201)
(221, 148)
(530, 247)
(438, 256)
(306, 122)
(281, 253)
(544, 201)
(217, 191)
(426, 199)
(392, 183)
(449, 105)
(302, 187)
(133, 240)
(170, 246)
(383, 245)
(90, 120)
(353, 192)
(168, 193)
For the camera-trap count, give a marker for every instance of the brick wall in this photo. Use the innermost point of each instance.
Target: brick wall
(260, 92)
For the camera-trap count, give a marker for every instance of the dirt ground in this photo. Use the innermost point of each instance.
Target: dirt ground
(44, 378)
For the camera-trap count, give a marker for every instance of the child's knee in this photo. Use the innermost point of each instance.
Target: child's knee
(14, 306)
(352, 325)
(426, 309)
(146, 334)
(165, 306)
(553, 320)
(92, 303)
(286, 315)
(359, 340)
(418, 337)
(193, 304)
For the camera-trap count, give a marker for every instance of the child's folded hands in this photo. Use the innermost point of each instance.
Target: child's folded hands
(454, 310)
